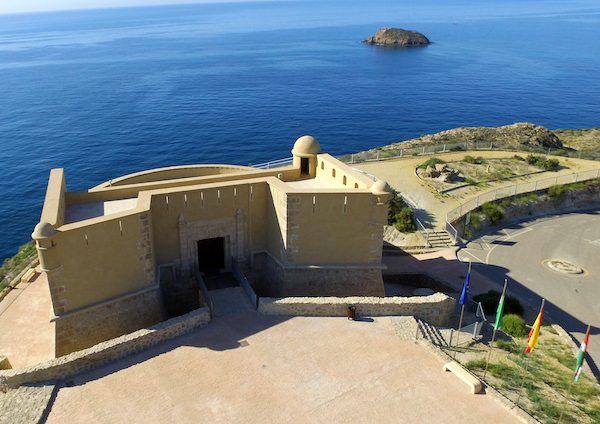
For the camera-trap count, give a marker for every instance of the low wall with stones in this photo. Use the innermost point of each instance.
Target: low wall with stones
(435, 309)
(105, 352)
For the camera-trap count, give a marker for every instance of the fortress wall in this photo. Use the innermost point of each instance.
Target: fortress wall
(54, 209)
(436, 309)
(327, 164)
(80, 330)
(298, 280)
(105, 352)
(87, 269)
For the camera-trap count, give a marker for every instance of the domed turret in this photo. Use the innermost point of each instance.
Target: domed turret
(306, 146)
(44, 234)
(42, 231)
(305, 153)
(381, 188)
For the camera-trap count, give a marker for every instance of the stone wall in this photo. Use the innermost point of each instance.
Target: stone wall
(341, 280)
(111, 350)
(435, 309)
(80, 330)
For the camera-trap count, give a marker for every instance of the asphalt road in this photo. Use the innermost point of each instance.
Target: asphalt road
(520, 253)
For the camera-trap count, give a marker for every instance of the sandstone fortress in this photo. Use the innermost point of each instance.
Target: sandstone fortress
(120, 255)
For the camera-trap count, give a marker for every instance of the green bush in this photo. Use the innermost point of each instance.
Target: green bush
(514, 325)
(556, 190)
(404, 221)
(541, 162)
(470, 181)
(490, 301)
(493, 211)
(431, 162)
(396, 204)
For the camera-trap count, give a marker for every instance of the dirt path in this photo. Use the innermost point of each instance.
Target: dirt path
(430, 206)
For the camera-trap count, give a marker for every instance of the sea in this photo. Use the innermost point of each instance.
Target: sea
(107, 92)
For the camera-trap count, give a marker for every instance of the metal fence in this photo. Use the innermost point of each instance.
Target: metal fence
(383, 154)
(521, 188)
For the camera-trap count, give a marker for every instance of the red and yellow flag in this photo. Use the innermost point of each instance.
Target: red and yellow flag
(535, 332)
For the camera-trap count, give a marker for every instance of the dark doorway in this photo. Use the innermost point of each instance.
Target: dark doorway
(304, 168)
(211, 255)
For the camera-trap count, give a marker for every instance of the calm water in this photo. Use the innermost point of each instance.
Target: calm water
(108, 92)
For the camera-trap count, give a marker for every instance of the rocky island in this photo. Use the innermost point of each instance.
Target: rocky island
(397, 37)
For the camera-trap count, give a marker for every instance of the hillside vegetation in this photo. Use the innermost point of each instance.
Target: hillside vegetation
(522, 135)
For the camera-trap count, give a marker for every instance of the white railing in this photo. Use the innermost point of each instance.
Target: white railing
(522, 188)
(275, 163)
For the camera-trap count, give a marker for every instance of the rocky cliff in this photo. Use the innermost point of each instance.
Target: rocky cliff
(515, 135)
(397, 37)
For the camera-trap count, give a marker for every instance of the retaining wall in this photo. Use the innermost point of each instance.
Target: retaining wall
(105, 352)
(435, 309)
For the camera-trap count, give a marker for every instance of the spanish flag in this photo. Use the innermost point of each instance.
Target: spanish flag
(535, 331)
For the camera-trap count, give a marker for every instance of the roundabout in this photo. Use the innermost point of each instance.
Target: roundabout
(555, 258)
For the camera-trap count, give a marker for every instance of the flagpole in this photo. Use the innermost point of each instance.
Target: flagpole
(524, 375)
(494, 333)
(462, 310)
(532, 345)
(587, 333)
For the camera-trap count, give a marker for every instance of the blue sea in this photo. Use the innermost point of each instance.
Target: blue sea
(103, 93)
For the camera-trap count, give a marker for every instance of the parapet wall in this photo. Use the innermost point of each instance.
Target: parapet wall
(436, 309)
(105, 352)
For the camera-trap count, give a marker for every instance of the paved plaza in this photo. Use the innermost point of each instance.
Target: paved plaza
(252, 368)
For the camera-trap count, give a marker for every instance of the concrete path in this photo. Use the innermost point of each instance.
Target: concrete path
(253, 368)
(430, 206)
(26, 333)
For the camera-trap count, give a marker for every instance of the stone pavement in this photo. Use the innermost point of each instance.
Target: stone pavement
(253, 368)
(27, 404)
(26, 333)
(430, 206)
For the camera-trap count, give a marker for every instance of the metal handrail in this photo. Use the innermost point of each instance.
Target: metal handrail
(422, 230)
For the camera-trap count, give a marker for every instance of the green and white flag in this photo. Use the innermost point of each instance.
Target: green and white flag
(499, 313)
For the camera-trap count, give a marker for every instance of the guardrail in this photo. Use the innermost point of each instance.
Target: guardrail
(522, 188)
(452, 231)
(244, 283)
(275, 163)
(205, 294)
(424, 231)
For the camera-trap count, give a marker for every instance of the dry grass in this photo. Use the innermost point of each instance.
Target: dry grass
(551, 369)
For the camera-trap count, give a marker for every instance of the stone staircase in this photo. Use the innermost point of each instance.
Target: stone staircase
(437, 336)
(438, 240)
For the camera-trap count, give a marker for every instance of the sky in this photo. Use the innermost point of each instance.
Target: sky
(26, 6)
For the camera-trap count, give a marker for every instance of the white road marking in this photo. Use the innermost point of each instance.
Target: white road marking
(508, 237)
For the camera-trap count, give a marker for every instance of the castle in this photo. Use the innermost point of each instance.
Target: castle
(114, 253)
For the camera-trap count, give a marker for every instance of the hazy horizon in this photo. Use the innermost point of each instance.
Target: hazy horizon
(10, 7)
